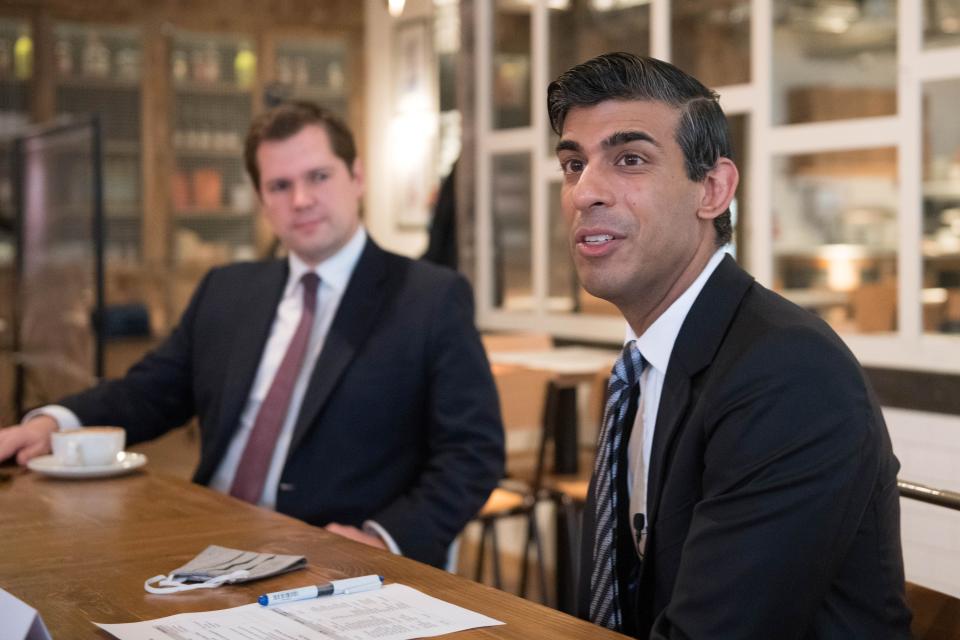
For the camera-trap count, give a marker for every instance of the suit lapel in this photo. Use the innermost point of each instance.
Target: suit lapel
(255, 320)
(697, 343)
(353, 322)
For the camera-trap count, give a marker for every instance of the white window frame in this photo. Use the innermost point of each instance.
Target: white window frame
(906, 348)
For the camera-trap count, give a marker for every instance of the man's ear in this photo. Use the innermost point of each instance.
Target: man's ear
(719, 188)
(357, 172)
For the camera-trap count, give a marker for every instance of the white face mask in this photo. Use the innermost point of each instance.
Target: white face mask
(172, 584)
(216, 566)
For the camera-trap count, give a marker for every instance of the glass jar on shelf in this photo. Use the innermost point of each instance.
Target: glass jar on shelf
(245, 67)
(212, 63)
(23, 56)
(335, 77)
(63, 52)
(95, 57)
(180, 65)
(284, 70)
(301, 71)
(128, 64)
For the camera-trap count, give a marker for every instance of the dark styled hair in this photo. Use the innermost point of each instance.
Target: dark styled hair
(288, 119)
(702, 131)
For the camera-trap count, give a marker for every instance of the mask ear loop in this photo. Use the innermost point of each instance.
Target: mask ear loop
(168, 584)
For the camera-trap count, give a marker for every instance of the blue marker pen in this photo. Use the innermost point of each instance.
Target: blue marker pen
(332, 588)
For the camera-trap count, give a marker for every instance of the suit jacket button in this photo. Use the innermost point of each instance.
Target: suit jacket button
(286, 486)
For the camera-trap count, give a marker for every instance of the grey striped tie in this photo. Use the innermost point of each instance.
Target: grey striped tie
(604, 590)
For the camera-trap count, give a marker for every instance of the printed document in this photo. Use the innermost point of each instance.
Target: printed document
(394, 612)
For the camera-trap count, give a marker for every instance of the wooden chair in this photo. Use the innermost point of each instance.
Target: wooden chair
(563, 491)
(936, 616)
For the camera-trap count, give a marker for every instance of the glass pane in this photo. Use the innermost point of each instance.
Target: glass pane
(582, 29)
(15, 75)
(58, 285)
(564, 290)
(512, 273)
(99, 71)
(511, 64)
(941, 23)
(835, 236)
(941, 208)
(834, 60)
(711, 40)
(447, 36)
(16, 69)
(739, 127)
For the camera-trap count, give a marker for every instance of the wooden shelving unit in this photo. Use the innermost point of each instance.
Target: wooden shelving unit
(134, 62)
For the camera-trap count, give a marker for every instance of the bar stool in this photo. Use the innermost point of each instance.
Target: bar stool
(502, 503)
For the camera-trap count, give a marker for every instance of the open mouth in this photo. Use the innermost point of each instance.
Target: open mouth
(597, 239)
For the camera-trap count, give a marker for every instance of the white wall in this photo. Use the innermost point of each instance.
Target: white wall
(379, 215)
(928, 446)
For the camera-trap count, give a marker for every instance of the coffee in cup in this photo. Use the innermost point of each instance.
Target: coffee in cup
(88, 446)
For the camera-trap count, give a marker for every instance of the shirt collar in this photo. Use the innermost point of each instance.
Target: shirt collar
(335, 271)
(657, 341)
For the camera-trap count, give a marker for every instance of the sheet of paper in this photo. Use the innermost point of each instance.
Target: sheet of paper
(20, 620)
(395, 612)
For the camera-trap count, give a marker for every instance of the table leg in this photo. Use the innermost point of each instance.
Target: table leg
(565, 446)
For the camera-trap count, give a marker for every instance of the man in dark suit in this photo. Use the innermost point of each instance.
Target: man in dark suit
(744, 485)
(344, 385)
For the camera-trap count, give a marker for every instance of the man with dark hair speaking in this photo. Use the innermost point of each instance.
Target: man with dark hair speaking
(343, 385)
(744, 485)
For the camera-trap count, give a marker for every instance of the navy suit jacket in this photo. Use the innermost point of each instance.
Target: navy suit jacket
(772, 498)
(400, 422)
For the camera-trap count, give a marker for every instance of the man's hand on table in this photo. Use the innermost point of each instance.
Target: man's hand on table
(27, 440)
(356, 534)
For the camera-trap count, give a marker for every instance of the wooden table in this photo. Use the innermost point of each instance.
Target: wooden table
(79, 551)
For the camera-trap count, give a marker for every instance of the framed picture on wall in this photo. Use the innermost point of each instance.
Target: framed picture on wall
(413, 125)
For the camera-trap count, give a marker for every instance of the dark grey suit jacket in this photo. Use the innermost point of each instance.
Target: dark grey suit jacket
(400, 422)
(772, 504)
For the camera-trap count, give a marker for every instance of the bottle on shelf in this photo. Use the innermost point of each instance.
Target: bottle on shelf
(284, 70)
(64, 55)
(245, 67)
(95, 57)
(335, 77)
(128, 64)
(180, 65)
(23, 56)
(212, 63)
(301, 72)
(198, 66)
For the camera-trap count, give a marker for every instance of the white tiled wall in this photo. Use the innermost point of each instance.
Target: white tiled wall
(928, 446)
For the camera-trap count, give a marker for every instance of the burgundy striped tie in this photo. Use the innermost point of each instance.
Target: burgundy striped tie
(255, 462)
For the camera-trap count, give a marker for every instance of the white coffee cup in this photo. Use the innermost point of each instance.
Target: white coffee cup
(88, 446)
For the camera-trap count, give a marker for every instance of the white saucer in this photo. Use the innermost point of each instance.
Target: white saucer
(126, 462)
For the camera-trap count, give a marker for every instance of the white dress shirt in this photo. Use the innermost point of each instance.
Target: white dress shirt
(335, 273)
(656, 345)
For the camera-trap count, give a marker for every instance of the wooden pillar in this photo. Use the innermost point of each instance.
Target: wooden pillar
(157, 156)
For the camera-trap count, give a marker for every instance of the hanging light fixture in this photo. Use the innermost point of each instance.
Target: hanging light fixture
(395, 7)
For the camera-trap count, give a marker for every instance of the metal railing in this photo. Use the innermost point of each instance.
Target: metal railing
(923, 493)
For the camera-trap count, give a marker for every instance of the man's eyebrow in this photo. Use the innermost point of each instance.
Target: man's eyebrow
(623, 137)
(568, 145)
